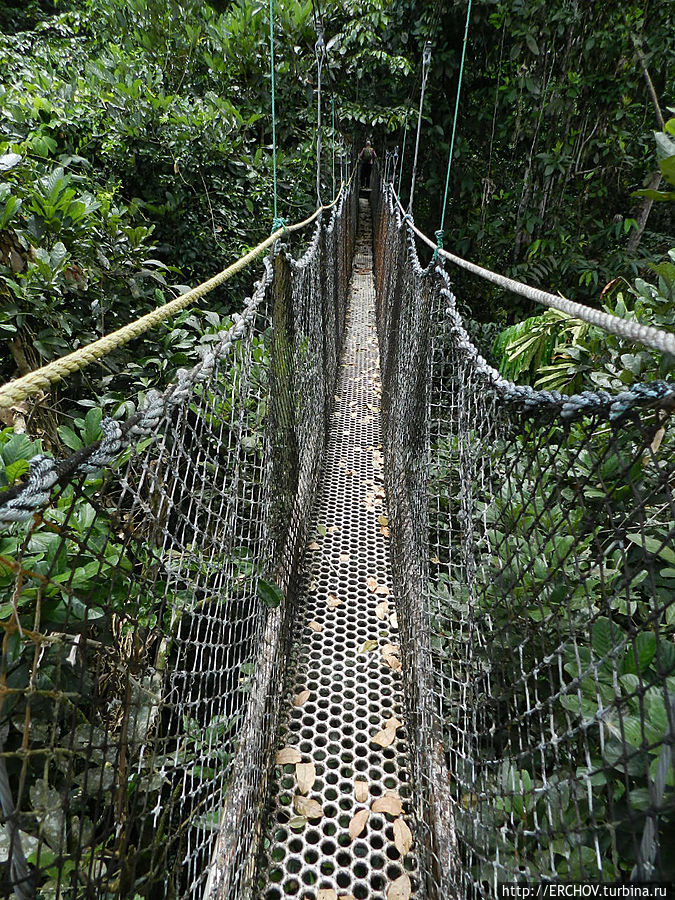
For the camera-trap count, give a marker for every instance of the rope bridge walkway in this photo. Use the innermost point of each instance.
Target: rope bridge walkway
(334, 623)
(344, 669)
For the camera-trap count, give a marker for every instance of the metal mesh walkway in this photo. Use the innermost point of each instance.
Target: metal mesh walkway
(337, 824)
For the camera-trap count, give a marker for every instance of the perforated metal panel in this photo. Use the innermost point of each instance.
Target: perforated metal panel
(354, 688)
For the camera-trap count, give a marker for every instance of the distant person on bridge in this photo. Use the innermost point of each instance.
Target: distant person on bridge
(366, 157)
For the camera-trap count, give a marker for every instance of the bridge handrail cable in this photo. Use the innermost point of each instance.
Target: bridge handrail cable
(648, 335)
(20, 388)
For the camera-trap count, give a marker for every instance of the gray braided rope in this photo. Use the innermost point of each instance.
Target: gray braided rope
(44, 471)
(659, 340)
(614, 406)
(312, 250)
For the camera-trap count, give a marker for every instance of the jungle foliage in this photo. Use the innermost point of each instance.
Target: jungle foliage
(135, 153)
(135, 150)
(555, 133)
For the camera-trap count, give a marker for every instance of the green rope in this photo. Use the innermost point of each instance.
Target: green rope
(454, 125)
(276, 220)
(320, 52)
(332, 108)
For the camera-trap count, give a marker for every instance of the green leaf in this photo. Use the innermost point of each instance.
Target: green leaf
(640, 799)
(92, 425)
(644, 650)
(368, 646)
(15, 470)
(632, 730)
(655, 546)
(582, 707)
(532, 44)
(19, 446)
(665, 146)
(659, 196)
(8, 161)
(270, 593)
(297, 823)
(69, 438)
(602, 637)
(630, 682)
(656, 718)
(669, 772)
(58, 255)
(667, 167)
(12, 205)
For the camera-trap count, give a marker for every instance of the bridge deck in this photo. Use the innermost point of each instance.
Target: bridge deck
(347, 834)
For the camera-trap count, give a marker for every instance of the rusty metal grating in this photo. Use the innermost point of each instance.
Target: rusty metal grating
(342, 628)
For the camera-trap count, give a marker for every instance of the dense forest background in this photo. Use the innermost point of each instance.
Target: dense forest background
(136, 158)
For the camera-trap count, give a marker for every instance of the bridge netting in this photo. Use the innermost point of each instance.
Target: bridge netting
(532, 546)
(143, 629)
(149, 595)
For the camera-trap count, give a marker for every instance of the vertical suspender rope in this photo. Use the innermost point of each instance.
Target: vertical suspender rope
(400, 172)
(276, 221)
(332, 110)
(319, 50)
(426, 59)
(439, 233)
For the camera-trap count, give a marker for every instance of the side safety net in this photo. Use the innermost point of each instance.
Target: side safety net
(533, 546)
(144, 605)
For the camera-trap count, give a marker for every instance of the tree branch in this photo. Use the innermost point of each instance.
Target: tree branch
(650, 84)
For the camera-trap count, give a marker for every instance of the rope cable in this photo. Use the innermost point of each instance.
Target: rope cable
(494, 110)
(656, 338)
(413, 87)
(276, 222)
(332, 110)
(320, 52)
(454, 126)
(405, 134)
(426, 59)
(17, 390)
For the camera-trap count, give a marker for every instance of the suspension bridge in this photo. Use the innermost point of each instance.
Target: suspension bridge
(341, 612)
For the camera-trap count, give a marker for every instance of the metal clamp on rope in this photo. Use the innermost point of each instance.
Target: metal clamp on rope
(426, 55)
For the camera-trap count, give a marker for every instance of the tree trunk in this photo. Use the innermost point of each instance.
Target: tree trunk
(646, 205)
(643, 214)
(18, 350)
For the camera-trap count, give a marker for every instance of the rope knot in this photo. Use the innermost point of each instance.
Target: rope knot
(439, 242)
(278, 222)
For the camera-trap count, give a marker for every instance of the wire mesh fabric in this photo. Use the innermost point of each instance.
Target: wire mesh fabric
(146, 605)
(532, 546)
